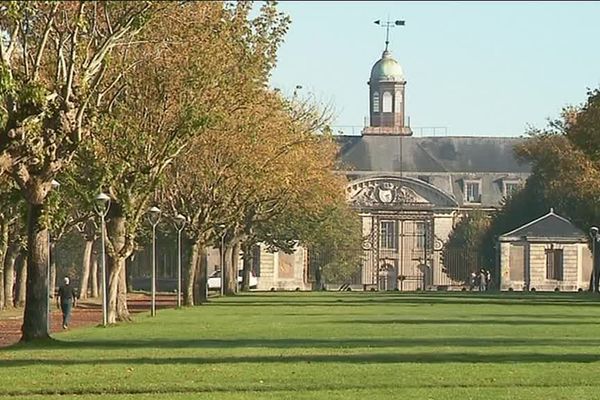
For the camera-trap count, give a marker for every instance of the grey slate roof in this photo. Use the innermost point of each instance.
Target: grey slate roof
(547, 226)
(430, 154)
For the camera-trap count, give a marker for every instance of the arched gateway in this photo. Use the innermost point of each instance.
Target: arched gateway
(399, 216)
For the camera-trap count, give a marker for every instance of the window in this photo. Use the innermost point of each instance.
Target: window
(510, 187)
(398, 106)
(472, 192)
(419, 235)
(388, 235)
(387, 102)
(554, 264)
(376, 102)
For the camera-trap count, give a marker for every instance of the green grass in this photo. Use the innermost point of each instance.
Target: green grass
(326, 346)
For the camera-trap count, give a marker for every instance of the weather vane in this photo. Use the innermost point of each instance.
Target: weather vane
(388, 24)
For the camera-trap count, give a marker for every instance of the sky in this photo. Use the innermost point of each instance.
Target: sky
(472, 68)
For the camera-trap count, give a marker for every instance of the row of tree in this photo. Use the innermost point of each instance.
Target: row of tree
(565, 160)
(157, 104)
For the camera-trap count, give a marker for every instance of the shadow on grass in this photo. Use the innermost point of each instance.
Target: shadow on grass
(334, 344)
(363, 358)
(471, 321)
(367, 299)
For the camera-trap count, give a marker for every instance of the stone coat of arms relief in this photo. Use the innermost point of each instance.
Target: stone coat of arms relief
(382, 193)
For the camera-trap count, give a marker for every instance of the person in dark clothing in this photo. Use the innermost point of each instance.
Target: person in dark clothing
(66, 300)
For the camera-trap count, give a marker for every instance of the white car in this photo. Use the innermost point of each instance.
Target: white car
(214, 280)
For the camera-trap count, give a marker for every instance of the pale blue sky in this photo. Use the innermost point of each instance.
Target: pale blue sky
(476, 68)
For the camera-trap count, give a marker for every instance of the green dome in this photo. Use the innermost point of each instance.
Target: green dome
(387, 69)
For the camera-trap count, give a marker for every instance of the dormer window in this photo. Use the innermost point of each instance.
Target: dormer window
(472, 191)
(376, 102)
(510, 187)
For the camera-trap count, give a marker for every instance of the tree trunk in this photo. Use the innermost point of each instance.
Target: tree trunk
(202, 276)
(9, 274)
(35, 322)
(85, 269)
(122, 310)
(21, 266)
(2, 299)
(52, 290)
(235, 265)
(94, 274)
(3, 250)
(248, 263)
(190, 276)
(230, 280)
(115, 261)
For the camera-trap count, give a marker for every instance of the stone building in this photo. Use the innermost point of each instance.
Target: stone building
(549, 253)
(410, 191)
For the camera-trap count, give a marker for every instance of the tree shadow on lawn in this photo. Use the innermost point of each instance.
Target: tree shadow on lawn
(291, 343)
(412, 299)
(470, 321)
(363, 358)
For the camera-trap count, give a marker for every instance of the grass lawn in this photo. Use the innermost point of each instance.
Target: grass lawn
(327, 346)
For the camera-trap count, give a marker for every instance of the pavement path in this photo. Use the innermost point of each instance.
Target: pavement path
(87, 312)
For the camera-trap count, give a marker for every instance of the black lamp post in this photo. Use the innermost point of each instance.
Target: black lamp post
(101, 205)
(153, 218)
(179, 221)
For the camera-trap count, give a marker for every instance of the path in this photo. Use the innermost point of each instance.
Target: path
(87, 312)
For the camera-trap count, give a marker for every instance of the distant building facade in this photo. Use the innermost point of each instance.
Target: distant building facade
(547, 254)
(411, 191)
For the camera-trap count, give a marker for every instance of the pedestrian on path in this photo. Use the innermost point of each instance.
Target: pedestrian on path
(66, 301)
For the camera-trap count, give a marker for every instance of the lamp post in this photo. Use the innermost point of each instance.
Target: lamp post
(53, 185)
(101, 205)
(594, 236)
(179, 221)
(222, 262)
(153, 218)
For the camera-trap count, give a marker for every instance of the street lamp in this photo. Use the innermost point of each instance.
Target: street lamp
(222, 227)
(153, 218)
(594, 236)
(53, 185)
(101, 205)
(179, 221)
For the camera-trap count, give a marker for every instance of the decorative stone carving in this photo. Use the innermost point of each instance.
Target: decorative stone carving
(382, 192)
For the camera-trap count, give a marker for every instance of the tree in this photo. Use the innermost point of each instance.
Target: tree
(199, 64)
(462, 253)
(566, 163)
(52, 78)
(207, 181)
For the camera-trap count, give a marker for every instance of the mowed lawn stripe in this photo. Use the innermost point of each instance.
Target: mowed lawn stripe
(323, 345)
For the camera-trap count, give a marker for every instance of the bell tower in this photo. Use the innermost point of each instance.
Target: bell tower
(387, 94)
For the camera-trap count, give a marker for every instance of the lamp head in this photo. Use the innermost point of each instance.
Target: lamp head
(154, 215)
(594, 231)
(101, 203)
(180, 221)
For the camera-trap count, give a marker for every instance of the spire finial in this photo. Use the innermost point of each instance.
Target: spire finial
(387, 25)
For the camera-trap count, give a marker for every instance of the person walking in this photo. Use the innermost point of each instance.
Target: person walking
(482, 280)
(66, 301)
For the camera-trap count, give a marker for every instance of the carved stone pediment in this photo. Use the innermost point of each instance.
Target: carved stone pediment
(382, 193)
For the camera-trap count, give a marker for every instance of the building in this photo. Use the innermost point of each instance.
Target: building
(411, 191)
(547, 254)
